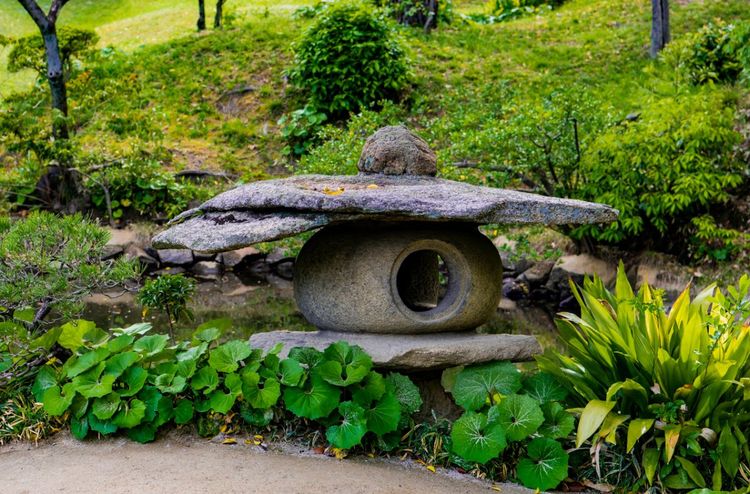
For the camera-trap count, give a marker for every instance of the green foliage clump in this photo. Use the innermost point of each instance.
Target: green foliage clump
(48, 264)
(29, 52)
(675, 162)
(137, 184)
(506, 10)
(300, 129)
(169, 293)
(349, 60)
(51, 262)
(340, 147)
(718, 52)
(136, 383)
(501, 408)
(541, 144)
(667, 387)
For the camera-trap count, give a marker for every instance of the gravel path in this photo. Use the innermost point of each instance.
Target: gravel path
(185, 465)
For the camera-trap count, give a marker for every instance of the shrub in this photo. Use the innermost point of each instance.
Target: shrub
(348, 60)
(542, 144)
(670, 387)
(29, 52)
(672, 164)
(169, 293)
(135, 383)
(300, 129)
(715, 53)
(506, 10)
(339, 151)
(49, 263)
(137, 184)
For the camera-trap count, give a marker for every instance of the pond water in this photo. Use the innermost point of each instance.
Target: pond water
(268, 306)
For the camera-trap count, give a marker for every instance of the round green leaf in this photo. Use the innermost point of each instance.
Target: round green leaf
(149, 346)
(384, 416)
(79, 407)
(106, 406)
(183, 412)
(45, 379)
(344, 364)
(544, 388)
(352, 428)
(77, 365)
(292, 372)
(307, 356)
(134, 378)
(546, 465)
(233, 383)
(71, 336)
(371, 388)
(221, 402)
(79, 427)
(557, 422)
(338, 375)
(256, 417)
(261, 395)
(117, 364)
(226, 357)
(164, 411)
(144, 433)
(315, 400)
(56, 401)
(519, 415)
(150, 396)
(101, 426)
(130, 415)
(120, 343)
(92, 384)
(169, 383)
(474, 439)
(474, 385)
(205, 379)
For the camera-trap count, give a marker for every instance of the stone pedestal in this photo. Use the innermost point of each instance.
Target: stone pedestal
(413, 353)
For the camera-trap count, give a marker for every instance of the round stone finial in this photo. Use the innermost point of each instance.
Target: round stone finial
(395, 150)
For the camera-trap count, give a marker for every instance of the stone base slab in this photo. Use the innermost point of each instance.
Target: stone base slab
(413, 352)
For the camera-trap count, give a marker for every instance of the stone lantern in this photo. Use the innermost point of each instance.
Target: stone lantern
(398, 264)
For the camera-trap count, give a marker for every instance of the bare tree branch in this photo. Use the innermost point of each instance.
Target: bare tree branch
(54, 10)
(36, 13)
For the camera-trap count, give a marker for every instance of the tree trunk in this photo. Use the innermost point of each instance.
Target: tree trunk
(56, 78)
(219, 13)
(201, 15)
(659, 26)
(55, 75)
(423, 13)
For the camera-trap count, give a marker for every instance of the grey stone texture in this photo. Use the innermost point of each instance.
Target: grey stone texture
(576, 267)
(273, 209)
(176, 257)
(395, 150)
(413, 352)
(364, 278)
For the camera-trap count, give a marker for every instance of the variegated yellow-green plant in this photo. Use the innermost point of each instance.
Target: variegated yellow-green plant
(670, 386)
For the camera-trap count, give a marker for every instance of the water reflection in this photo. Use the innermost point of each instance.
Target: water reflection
(259, 306)
(252, 308)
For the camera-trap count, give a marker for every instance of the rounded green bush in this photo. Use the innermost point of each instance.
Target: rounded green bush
(349, 59)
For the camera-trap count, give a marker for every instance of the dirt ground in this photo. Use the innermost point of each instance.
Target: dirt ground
(185, 465)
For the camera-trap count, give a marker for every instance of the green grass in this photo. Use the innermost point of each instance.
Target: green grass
(126, 24)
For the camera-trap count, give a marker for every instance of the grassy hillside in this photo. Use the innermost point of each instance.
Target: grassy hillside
(213, 100)
(126, 24)
(181, 90)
